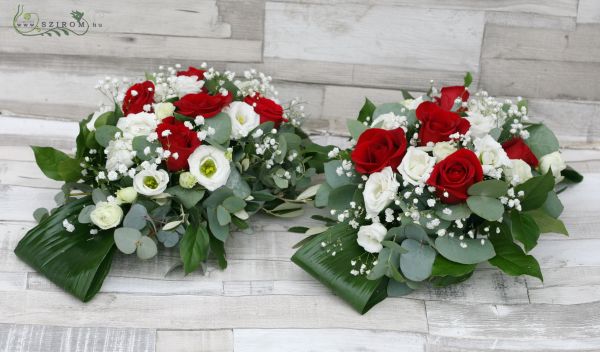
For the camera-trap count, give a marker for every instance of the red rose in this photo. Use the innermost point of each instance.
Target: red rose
(137, 96)
(517, 149)
(180, 140)
(192, 71)
(449, 96)
(377, 148)
(267, 109)
(438, 124)
(202, 104)
(455, 174)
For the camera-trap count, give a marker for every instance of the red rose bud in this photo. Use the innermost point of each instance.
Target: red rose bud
(437, 124)
(179, 140)
(192, 71)
(377, 148)
(137, 96)
(517, 149)
(202, 104)
(267, 109)
(449, 96)
(453, 176)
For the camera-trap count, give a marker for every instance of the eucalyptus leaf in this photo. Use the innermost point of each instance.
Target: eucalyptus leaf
(98, 195)
(333, 179)
(553, 206)
(486, 207)
(542, 140)
(356, 128)
(127, 239)
(105, 134)
(398, 289)
(322, 196)
(40, 214)
(84, 214)
(136, 217)
(222, 125)
(146, 248)
(474, 252)
(489, 188)
(237, 184)
(417, 263)
(168, 238)
(187, 197)
(456, 211)
(223, 216)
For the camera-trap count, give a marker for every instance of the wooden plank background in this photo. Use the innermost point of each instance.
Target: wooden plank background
(333, 54)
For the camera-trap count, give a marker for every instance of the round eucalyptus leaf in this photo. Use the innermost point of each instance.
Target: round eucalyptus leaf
(474, 252)
(136, 217)
(489, 188)
(40, 213)
(98, 195)
(146, 248)
(84, 214)
(127, 239)
(416, 232)
(168, 238)
(417, 263)
(453, 212)
(398, 289)
(486, 207)
(105, 134)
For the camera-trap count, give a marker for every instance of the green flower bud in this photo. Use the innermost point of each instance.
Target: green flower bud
(187, 180)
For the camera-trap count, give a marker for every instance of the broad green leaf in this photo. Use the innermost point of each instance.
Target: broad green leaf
(398, 289)
(396, 108)
(394, 246)
(193, 248)
(486, 207)
(366, 111)
(322, 196)
(222, 125)
(524, 229)
(219, 231)
(340, 198)
(146, 248)
(136, 217)
(187, 197)
(217, 248)
(234, 204)
(334, 271)
(474, 252)
(139, 145)
(546, 223)
(542, 140)
(333, 179)
(553, 206)
(106, 134)
(417, 264)
(237, 184)
(223, 216)
(536, 191)
(511, 259)
(457, 211)
(488, 188)
(445, 267)
(127, 239)
(74, 261)
(356, 128)
(56, 164)
(84, 214)
(107, 118)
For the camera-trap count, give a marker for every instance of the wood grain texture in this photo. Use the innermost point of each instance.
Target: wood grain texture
(588, 11)
(193, 341)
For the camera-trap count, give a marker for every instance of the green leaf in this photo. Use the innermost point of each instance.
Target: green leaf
(511, 259)
(334, 271)
(280, 182)
(417, 264)
(473, 253)
(442, 281)
(366, 111)
(223, 216)
(136, 217)
(457, 211)
(238, 185)
(396, 108)
(340, 198)
(524, 229)
(333, 179)
(394, 246)
(536, 191)
(356, 128)
(193, 248)
(56, 164)
(570, 174)
(468, 79)
(106, 118)
(222, 125)
(553, 206)
(187, 197)
(140, 143)
(406, 94)
(322, 196)
(445, 267)
(542, 140)
(127, 239)
(234, 204)
(84, 214)
(217, 248)
(488, 188)
(486, 207)
(398, 289)
(547, 223)
(98, 195)
(74, 261)
(219, 231)
(40, 214)
(146, 248)
(106, 134)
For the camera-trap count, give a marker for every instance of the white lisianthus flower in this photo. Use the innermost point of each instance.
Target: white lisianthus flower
(243, 119)
(183, 85)
(187, 180)
(442, 149)
(162, 110)
(380, 190)
(389, 121)
(90, 125)
(126, 195)
(492, 155)
(151, 182)
(106, 215)
(518, 172)
(371, 236)
(140, 124)
(412, 104)
(210, 166)
(481, 125)
(555, 162)
(416, 166)
(119, 154)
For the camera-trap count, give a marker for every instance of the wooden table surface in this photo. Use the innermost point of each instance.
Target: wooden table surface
(263, 302)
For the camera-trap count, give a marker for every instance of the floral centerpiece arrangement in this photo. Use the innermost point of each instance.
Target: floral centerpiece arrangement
(432, 187)
(177, 160)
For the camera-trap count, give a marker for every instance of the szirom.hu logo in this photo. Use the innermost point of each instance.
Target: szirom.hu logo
(30, 24)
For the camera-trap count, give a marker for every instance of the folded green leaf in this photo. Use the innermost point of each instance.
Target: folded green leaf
(536, 191)
(75, 261)
(524, 229)
(366, 111)
(334, 271)
(193, 247)
(546, 223)
(511, 259)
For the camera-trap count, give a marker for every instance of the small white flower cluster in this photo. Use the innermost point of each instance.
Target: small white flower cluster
(333, 248)
(518, 116)
(345, 169)
(113, 88)
(169, 85)
(294, 112)
(512, 200)
(69, 227)
(256, 82)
